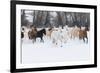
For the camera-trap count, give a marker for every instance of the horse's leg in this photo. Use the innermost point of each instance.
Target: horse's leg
(22, 40)
(42, 39)
(87, 39)
(71, 36)
(29, 37)
(61, 42)
(83, 39)
(33, 40)
(79, 38)
(53, 41)
(50, 36)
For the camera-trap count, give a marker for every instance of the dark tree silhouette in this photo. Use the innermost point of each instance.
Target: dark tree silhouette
(44, 19)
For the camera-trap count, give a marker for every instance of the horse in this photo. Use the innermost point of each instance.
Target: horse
(49, 32)
(29, 35)
(74, 32)
(83, 34)
(34, 33)
(40, 34)
(22, 34)
(59, 36)
(55, 35)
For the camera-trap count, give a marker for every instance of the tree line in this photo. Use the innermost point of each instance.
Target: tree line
(55, 18)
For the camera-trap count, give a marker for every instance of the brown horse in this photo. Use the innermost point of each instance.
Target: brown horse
(83, 34)
(32, 33)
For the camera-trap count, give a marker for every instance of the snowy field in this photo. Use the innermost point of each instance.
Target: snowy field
(47, 52)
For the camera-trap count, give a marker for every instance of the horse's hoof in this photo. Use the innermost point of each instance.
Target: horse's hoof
(56, 43)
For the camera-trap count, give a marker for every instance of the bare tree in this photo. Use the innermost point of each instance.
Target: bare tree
(60, 22)
(53, 18)
(23, 20)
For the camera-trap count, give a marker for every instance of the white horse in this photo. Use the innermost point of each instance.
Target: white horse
(59, 36)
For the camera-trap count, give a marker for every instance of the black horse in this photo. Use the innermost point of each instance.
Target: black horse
(22, 35)
(40, 34)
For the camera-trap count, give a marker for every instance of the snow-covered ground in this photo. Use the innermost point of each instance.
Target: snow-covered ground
(39, 52)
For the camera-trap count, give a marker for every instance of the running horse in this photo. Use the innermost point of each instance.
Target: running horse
(33, 34)
(40, 34)
(83, 34)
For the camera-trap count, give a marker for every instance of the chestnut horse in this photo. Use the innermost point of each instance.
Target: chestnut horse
(83, 35)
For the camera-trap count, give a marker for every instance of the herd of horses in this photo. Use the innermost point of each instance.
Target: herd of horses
(56, 34)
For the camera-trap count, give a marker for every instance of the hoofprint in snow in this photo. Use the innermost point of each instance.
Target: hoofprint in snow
(45, 52)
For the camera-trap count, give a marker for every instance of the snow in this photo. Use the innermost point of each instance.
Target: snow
(45, 52)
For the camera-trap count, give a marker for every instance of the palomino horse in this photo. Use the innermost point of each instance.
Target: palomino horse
(49, 32)
(74, 32)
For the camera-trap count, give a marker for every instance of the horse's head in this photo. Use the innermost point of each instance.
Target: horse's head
(44, 31)
(87, 28)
